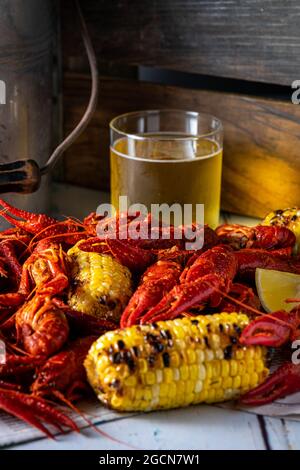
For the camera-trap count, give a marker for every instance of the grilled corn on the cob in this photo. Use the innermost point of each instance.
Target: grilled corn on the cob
(175, 363)
(101, 286)
(289, 218)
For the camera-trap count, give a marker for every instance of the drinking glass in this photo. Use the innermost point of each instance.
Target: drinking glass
(167, 156)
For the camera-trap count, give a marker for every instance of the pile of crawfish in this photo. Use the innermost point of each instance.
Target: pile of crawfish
(47, 341)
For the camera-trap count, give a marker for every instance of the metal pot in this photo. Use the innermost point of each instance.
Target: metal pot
(27, 39)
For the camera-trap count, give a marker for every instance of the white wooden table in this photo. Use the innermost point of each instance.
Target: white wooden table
(199, 427)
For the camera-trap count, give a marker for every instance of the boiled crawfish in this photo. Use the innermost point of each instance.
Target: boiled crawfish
(208, 280)
(41, 226)
(61, 378)
(41, 326)
(274, 330)
(264, 237)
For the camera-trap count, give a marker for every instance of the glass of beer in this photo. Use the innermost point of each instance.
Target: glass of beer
(167, 156)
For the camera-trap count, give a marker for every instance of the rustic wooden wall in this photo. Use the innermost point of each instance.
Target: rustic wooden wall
(249, 40)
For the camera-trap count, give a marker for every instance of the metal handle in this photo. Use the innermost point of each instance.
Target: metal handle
(22, 176)
(92, 102)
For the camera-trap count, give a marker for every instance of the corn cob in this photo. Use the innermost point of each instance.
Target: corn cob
(175, 363)
(289, 218)
(101, 285)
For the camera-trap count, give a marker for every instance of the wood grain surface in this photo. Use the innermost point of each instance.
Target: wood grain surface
(261, 148)
(255, 40)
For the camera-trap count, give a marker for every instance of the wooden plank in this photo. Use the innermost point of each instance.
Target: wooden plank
(261, 157)
(202, 427)
(244, 39)
(283, 434)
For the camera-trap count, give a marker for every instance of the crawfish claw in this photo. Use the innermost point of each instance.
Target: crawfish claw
(273, 329)
(32, 223)
(284, 381)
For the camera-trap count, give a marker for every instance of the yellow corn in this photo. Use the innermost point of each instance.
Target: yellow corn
(100, 286)
(175, 363)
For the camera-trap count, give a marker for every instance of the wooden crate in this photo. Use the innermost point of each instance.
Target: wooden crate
(253, 42)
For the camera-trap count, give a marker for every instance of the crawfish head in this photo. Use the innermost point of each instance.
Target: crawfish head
(219, 260)
(41, 326)
(263, 237)
(46, 269)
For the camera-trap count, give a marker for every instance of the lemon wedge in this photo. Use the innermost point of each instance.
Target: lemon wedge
(274, 287)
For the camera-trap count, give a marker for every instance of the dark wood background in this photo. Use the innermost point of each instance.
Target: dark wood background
(247, 45)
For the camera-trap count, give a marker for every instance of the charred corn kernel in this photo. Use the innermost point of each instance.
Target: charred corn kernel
(233, 368)
(211, 395)
(155, 390)
(101, 285)
(165, 372)
(257, 354)
(176, 374)
(242, 367)
(259, 366)
(130, 381)
(219, 353)
(168, 375)
(184, 372)
(209, 370)
(209, 355)
(180, 388)
(164, 389)
(227, 382)
(216, 368)
(159, 376)
(249, 354)
(142, 365)
(200, 356)
(219, 394)
(194, 372)
(202, 371)
(150, 378)
(245, 380)
(191, 356)
(190, 387)
(236, 382)
(216, 382)
(240, 353)
(215, 341)
(147, 395)
(172, 392)
(225, 368)
(174, 359)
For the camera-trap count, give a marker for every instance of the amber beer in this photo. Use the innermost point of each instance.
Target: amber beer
(168, 167)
